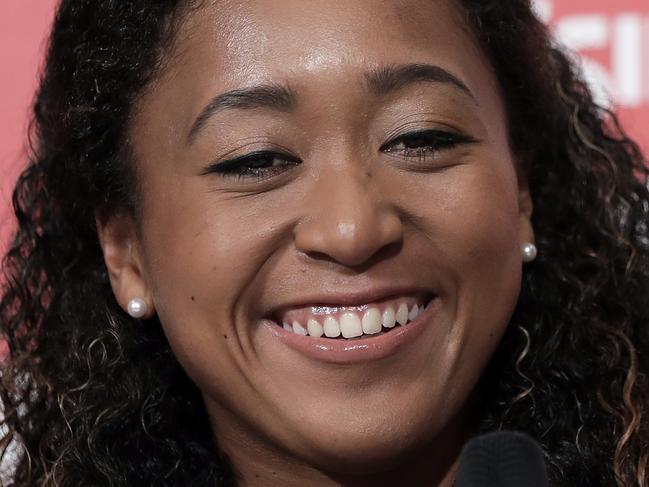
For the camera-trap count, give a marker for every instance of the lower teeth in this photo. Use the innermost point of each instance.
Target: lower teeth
(383, 331)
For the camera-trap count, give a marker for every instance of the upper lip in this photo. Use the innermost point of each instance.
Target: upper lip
(350, 298)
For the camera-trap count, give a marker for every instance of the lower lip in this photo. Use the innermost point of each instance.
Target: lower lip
(350, 351)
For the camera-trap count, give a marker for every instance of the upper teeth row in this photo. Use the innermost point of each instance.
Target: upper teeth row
(352, 325)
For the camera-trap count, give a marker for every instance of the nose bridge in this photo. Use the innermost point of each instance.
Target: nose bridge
(349, 202)
(348, 217)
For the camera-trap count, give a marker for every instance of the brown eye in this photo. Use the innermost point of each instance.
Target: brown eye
(261, 165)
(425, 143)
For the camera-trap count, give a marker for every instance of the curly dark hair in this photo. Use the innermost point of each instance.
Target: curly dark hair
(93, 397)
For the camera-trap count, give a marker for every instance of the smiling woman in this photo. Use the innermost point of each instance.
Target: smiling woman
(295, 243)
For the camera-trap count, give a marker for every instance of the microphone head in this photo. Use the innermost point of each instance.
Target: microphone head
(502, 459)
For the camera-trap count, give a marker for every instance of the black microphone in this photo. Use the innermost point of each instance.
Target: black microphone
(502, 459)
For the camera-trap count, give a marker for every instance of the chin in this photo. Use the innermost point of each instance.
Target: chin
(363, 449)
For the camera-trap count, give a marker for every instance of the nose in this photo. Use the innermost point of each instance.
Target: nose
(348, 217)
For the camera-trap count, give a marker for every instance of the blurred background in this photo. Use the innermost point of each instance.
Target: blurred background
(611, 38)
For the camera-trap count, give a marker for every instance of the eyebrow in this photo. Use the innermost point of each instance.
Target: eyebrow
(387, 79)
(380, 81)
(274, 96)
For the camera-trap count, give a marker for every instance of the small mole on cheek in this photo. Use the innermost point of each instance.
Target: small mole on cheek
(193, 298)
(225, 336)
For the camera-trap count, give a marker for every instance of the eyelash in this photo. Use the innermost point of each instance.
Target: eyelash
(243, 167)
(430, 142)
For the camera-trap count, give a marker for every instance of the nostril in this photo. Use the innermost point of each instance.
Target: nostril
(348, 230)
(383, 254)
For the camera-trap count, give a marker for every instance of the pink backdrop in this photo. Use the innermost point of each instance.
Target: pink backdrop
(611, 35)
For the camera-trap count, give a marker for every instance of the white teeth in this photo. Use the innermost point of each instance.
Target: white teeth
(299, 329)
(350, 325)
(414, 312)
(315, 329)
(371, 322)
(388, 318)
(402, 314)
(331, 327)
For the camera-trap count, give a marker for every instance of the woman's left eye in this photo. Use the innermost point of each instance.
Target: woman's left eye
(425, 143)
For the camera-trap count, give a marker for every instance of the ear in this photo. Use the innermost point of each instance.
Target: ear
(525, 208)
(120, 245)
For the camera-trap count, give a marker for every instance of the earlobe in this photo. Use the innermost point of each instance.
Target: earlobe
(525, 204)
(118, 238)
(525, 208)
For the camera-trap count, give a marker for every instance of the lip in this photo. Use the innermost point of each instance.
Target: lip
(358, 350)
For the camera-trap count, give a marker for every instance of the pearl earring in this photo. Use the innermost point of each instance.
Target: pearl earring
(137, 308)
(528, 252)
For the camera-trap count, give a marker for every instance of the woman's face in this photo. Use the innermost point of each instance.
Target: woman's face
(361, 163)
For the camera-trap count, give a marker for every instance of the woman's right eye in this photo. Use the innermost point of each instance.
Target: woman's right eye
(260, 165)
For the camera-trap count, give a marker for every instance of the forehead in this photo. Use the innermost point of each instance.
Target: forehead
(319, 47)
(316, 31)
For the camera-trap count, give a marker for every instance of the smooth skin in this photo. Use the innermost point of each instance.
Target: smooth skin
(350, 203)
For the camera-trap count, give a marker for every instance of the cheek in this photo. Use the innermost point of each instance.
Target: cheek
(481, 228)
(476, 234)
(200, 259)
(198, 243)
